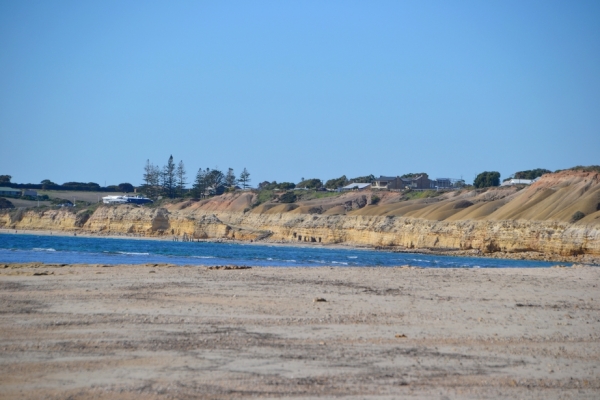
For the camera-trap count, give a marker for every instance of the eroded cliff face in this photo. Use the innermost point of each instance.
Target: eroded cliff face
(503, 219)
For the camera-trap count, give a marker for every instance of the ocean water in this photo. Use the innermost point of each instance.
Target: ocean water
(68, 249)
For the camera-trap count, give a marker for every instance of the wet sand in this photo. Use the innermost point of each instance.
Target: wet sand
(146, 331)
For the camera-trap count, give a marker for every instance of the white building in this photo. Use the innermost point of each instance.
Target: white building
(511, 182)
(356, 186)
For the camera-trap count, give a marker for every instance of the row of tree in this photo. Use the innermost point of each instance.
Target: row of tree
(47, 184)
(531, 173)
(171, 180)
(485, 179)
(213, 181)
(315, 183)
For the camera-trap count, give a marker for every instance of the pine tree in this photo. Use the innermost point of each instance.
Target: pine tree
(151, 178)
(180, 175)
(155, 182)
(245, 178)
(168, 178)
(230, 179)
(200, 183)
(147, 173)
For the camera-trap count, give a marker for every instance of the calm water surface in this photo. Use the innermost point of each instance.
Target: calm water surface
(66, 249)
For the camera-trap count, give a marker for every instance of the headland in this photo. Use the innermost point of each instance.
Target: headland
(532, 222)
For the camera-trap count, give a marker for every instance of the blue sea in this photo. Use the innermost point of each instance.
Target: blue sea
(69, 249)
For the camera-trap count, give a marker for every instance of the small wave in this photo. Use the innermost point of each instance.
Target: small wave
(203, 257)
(422, 260)
(352, 256)
(290, 260)
(339, 262)
(131, 253)
(269, 259)
(42, 249)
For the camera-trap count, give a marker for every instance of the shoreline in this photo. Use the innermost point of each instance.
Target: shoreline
(532, 256)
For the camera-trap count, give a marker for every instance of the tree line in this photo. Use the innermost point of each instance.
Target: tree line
(47, 184)
(171, 180)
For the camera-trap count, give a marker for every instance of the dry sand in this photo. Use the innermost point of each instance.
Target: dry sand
(137, 332)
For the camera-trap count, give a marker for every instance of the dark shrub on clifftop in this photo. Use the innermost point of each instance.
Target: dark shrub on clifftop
(5, 203)
(287, 197)
(577, 216)
(487, 179)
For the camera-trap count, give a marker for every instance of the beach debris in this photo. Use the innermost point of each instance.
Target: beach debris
(580, 266)
(528, 305)
(152, 272)
(319, 300)
(43, 273)
(401, 336)
(229, 267)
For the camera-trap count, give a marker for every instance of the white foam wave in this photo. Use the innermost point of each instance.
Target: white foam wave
(131, 253)
(42, 249)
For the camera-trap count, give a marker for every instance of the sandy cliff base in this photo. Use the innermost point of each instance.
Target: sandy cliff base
(191, 332)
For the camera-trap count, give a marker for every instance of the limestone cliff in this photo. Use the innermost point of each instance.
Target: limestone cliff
(536, 218)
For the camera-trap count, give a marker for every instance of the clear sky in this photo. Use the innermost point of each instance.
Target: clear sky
(89, 90)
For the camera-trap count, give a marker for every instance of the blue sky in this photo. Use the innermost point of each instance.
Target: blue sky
(90, 90)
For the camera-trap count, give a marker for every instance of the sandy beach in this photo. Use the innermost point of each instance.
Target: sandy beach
(160, 331)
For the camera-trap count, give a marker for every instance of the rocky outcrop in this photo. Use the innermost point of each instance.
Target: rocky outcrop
(60, 219)
(376, 231)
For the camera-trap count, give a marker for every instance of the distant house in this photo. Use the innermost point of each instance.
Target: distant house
(356, 186)
(417, 182)
(9, 192)
(441, 183)
(390, 182)
(30, 192)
